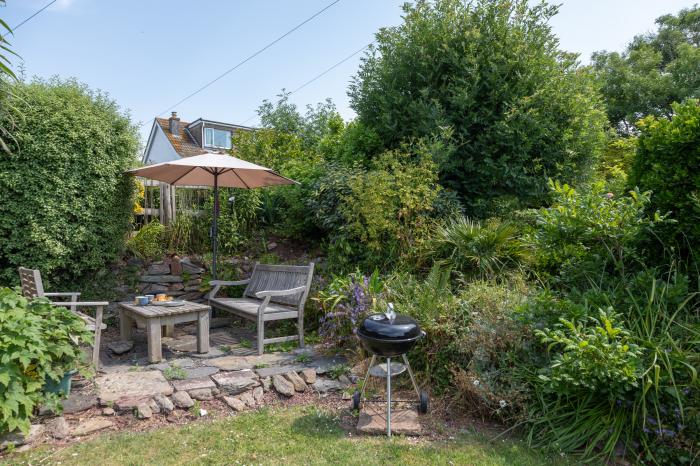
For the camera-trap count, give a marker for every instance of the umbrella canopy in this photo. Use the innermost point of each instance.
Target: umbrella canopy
(212, 169)
(215, 170)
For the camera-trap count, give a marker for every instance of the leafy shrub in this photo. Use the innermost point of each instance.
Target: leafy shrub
(36, 345)
(187, 234)
(484, 249)
(595, 355)
(668, 163)
(66, 203)
(472, 339)
(590, 233)
(519, 107)
(642, 399)
(149, 241)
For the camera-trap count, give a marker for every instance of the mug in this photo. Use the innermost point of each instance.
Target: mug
(143, 300)
(150, 298)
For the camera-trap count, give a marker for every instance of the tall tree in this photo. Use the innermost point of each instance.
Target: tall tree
(520, 110)
(654, 71)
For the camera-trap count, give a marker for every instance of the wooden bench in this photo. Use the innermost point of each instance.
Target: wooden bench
(273, 292)
(33, 287)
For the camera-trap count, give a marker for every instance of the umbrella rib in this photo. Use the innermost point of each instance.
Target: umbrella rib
(239, 177)
(183, 175)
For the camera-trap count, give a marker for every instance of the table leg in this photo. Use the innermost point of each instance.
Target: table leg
(155, 351)
(126, 323)
(169, 330)
(203, 332)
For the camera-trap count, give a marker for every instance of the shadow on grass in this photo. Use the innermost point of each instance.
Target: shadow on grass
(319, 424)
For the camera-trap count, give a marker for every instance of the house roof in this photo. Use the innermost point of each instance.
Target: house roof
(183, 142)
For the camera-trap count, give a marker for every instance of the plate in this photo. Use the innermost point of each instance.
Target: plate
(168, 303)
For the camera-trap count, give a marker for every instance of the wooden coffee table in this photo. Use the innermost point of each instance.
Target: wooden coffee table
(156, 317)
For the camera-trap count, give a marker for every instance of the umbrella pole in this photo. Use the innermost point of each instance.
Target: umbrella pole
(214, 225)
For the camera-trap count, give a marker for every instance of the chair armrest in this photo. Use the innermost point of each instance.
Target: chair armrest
(263, 294)
(228, 283)
(83, 304)
(62, 293)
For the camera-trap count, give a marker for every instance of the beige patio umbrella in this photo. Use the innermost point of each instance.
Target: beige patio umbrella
(212, 169)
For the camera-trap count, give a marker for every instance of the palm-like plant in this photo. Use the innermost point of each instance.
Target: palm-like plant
(485, 249)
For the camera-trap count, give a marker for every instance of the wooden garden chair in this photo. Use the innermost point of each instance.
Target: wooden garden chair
(33, 287)
(273, 292)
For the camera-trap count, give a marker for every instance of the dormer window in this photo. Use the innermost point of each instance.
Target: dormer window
(218, 138)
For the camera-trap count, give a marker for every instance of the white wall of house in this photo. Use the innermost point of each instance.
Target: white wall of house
(160, 149)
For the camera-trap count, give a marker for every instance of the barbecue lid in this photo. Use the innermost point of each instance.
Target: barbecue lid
(380, 327)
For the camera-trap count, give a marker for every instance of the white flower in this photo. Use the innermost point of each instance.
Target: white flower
(476, 383)
(502, 403)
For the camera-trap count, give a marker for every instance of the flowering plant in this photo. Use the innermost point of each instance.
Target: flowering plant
(345, 303)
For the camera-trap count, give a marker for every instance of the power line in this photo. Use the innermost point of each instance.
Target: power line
(318, 76)
(36, 13)
(250, 57)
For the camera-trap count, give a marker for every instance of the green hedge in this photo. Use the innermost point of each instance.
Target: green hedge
(668, 163)
(66, 205)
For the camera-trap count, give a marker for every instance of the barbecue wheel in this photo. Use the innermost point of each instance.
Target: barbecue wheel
(424, 402)
(356, 400)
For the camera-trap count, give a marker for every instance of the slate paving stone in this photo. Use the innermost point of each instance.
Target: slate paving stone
(373, 421)
(193, 384)
(270, 371)
(111, 387)
(199, 372)
(91, 425)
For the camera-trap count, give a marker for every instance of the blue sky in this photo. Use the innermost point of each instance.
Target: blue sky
(148, 54)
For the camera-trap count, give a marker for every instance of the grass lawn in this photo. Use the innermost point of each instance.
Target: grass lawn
(299, 435)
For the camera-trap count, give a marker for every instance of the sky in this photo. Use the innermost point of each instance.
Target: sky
(150, 54)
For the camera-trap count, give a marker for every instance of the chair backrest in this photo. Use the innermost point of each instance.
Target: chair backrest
(32, 286)
(281, 277)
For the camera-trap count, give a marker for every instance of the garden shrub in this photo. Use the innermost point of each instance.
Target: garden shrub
(149, 241)
(66, 203)
(520, 109)
(36, 345)
(588, 234)
(668, 164)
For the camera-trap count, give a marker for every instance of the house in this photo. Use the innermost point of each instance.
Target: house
(171, 138)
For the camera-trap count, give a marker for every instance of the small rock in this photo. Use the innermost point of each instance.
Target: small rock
(327, 385)
(129, 403)
(308, 375)
(271, 245)
(193, 384)
(164, 403)
(236, 382)
(91, 425)
(201, 394)
(346, 381)
(120, 347)
(282, 385)
(143, 411)
(182, 400)
(203, 412)
(155, 407)
(248, 399)
(234, 403)
(108, 412)
(258, 394)
(58, 428)
(266, 383)
(172, 418)
(77, 402)
(299, 384)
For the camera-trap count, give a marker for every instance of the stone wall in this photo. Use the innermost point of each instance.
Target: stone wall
(174, 276)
